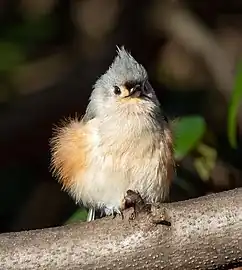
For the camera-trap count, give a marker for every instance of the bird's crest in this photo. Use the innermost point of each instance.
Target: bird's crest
(123, 69)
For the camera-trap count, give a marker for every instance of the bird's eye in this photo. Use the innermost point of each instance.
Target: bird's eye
(117, 90)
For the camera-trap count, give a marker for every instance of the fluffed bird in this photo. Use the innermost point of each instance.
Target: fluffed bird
(123, 142)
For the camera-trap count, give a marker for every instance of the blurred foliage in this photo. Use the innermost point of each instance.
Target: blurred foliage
(234, 107)
(188, 132)
(206, 160)
(32, 30)
(80, 214)
(11, 55)
(21, 41)
(29, 37)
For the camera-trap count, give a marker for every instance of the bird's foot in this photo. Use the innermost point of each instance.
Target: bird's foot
(113, 212)
(117, 212)
(155, 214)
(134, 199)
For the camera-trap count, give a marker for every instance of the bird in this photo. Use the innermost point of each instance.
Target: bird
(122, 142)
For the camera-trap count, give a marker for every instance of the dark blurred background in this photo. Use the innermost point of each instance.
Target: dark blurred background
(52, 52)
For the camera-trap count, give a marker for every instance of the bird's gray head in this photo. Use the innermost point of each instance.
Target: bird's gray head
(124, 88)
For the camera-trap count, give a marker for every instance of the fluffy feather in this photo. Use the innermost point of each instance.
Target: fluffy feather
(118, 145)
(69, 147)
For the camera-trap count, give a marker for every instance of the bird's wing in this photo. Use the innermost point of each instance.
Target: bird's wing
(169, 148)
(89, 114)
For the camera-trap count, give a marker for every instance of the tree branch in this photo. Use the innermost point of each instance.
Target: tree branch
(205, 233)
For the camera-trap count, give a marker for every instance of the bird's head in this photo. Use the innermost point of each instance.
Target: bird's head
(124, 88)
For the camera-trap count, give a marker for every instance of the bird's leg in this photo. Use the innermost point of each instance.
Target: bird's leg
(91, 214)
(133, 199)
(110, 211)
(102, 212)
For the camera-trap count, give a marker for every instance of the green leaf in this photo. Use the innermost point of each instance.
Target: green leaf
(11, 55)
(188, 132)
(80, 214)
(234, 106)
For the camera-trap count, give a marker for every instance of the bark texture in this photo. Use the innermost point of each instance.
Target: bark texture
(205, 233)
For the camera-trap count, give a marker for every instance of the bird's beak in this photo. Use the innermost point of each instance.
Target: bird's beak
(136, 91)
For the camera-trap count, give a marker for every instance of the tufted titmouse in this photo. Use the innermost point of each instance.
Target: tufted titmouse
(122, 143)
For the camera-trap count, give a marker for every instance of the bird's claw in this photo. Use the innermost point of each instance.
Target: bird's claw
(117, 212)
(134, 199)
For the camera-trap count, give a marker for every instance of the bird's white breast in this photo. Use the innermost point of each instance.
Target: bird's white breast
(126, 154)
